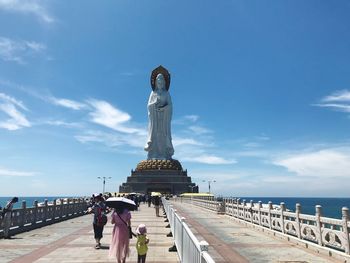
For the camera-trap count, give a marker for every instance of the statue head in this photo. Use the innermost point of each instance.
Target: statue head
(160, 82)
(165, 74)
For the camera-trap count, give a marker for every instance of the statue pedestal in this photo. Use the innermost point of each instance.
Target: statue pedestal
(165, 176)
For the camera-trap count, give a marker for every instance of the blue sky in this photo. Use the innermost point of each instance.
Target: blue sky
(260, 90)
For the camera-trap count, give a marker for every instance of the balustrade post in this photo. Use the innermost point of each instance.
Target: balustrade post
(244, 206)
(232, 205)
(182, 237)
(23, 215)
(45, 211)
(62, 206)
(269, 213)
(75, 211)
(54, 209)
(251, 210)
(283, 208)
(318, 224)
(35, 212)
(345, 220)
(259, 212)
(297, 219)
(238, 200)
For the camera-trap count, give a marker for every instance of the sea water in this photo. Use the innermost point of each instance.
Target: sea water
(331, 207)
(29, 200)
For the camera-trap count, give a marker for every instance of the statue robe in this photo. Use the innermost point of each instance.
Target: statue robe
(159, 145)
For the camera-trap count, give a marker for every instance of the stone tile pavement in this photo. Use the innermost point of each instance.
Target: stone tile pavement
(72, 241)
(230, 241)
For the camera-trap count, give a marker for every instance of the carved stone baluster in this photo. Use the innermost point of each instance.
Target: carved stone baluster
(54, 210)
(283, 208)
(244, 205)
(318, 224)
(232, 204)
(251, 210)
(297, 219)
(23, 215)
(259, 212)
(62, 208)
(238, 207)
(35, 212)
(45, 211)
(269, 213)
(345, 219)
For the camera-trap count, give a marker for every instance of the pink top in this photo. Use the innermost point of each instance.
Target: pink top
(119, 247)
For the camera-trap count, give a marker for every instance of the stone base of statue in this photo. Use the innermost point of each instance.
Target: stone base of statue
(165, 176)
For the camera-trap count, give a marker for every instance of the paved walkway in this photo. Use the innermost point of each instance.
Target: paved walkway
(230, 241)
(73, 241)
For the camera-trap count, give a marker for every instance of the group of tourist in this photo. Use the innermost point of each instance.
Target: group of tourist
(121, 233)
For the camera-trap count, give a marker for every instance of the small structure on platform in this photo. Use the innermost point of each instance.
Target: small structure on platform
(159, 173)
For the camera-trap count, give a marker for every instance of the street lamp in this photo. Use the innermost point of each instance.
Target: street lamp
(104, 182)
(209, 181)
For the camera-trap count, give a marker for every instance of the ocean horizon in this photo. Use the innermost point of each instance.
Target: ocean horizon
(331, 206)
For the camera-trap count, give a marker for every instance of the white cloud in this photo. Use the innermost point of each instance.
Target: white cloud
(107, 115)
(7, 172)
(177, 141)
(322, 163)
(17, 51)
(342, 95)
(34, 7)
(208, 159)
(64, 124)
(199, 129)
(71, 104)
(17, 119)
(339, 100)
(186, 119)
(113, 140)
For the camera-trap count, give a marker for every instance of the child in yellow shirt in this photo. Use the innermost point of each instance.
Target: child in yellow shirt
(141, 243)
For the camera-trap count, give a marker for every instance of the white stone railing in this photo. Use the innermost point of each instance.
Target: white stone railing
(189, 249)
(326, 232)
(28, 218)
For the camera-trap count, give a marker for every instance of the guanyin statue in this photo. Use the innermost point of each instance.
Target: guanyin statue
(159, 145)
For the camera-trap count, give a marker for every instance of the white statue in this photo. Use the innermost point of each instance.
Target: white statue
(159, 145)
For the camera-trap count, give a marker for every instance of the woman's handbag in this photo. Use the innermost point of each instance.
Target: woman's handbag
(130, 232)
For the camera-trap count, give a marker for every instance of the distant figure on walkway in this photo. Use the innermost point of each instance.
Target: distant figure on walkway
(156, 203)
(149, 200)
(8, 216)
(141, 243)
(98, 209)
(119, 247)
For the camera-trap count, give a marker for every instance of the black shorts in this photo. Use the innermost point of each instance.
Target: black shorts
(98, 231)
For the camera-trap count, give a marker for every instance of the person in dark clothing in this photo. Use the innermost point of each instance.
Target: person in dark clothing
(98, 209)
(157, 204)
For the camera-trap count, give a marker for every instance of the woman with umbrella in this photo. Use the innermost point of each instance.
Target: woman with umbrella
(121, 218)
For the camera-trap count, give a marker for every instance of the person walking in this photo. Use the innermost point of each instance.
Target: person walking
(149, 200)
(141, 243)
(7, 216)
(157, 204)
(98, 209)
(119, 247)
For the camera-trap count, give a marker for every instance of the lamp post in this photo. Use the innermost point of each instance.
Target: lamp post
(104, 182)
(209, 181)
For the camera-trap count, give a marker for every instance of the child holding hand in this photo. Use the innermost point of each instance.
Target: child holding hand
(141, 243)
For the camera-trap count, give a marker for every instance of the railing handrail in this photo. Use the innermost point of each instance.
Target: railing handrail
(28, 218)
(194, 251)
(330, 233)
